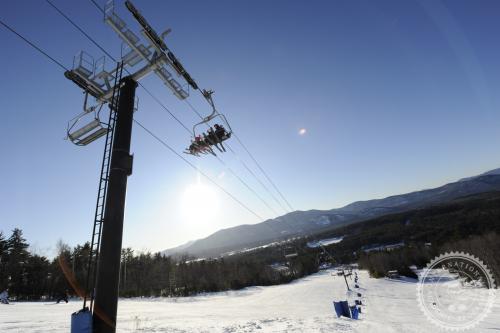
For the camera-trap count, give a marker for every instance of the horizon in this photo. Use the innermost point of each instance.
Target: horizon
(314, 209)
(340, 102)
(37, 251)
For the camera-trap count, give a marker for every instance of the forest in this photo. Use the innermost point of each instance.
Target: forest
(469, 224)
(30, 276)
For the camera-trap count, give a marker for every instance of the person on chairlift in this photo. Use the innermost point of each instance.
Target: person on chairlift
(220, 132)
(212, 138)
(221, 135)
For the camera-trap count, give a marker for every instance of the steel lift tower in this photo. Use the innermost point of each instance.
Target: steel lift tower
(109, 87)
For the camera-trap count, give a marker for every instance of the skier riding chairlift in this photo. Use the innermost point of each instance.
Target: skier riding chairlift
(221, 132)
(199, 146)
(216, 136)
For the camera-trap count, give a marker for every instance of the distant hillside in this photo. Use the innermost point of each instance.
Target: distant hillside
(457, 219)
(397, 241)
(302, 223)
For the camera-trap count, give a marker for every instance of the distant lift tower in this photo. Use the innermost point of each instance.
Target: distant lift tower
(109, 87)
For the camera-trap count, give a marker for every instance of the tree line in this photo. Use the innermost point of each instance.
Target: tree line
(485, 247)
(27, 275)
(30, 276)
(468, 224)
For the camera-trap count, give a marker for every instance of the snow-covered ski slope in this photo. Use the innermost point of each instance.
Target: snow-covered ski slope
(302, 306)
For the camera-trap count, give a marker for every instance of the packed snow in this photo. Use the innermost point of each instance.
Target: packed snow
(325, 242)
(301, 306)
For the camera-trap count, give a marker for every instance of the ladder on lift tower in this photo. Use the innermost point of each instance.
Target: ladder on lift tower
(92, 266)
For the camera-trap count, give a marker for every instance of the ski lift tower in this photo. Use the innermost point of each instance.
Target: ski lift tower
(103, 87)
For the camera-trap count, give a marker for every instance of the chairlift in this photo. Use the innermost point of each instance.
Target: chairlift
(91, 130)
(202, 142)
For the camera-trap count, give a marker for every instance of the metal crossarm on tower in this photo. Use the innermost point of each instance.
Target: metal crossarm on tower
(147, 28)
(152, 53)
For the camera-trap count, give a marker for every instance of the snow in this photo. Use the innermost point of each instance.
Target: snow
(325, 242)
(247, 250)
(387, 247)
(322, 220)
(302, 306)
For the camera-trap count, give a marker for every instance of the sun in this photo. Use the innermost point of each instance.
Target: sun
(200, 204)
(302, 131)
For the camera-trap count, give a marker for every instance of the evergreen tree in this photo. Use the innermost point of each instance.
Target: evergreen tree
(37, 276)
(17, 258)
(64, 260)
(3, 262)
(79, 262)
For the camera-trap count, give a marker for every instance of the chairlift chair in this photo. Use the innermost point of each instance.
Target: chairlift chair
(212, 137)
(92, 129)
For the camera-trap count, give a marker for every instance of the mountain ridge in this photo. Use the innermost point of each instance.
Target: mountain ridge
(302, 223)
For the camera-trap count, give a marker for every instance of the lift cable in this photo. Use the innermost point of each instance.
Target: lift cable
(33, 45)
(97, 5)
(246, 185)
(80, 29)
(162, 142)
(197, 169)
(263, 172)
(111, 56)
(180, 122)
(244, 164)
(192, 107)
(290, 210)
(151, 133)
(155, 98)
(148, 131)
(287, 210)
(252, 157)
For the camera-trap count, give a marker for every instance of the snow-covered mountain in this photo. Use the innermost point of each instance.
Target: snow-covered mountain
(301, 223)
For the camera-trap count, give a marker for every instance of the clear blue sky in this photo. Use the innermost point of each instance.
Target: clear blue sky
(396, 96)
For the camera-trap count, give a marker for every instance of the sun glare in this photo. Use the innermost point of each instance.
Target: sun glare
(199, 203)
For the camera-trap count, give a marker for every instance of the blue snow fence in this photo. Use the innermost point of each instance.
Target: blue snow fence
(342, 309)
(338, 309)
(81, 321)
(345, 309)
(354, 312)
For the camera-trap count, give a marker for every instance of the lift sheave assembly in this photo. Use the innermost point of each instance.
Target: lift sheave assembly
(158, 58)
